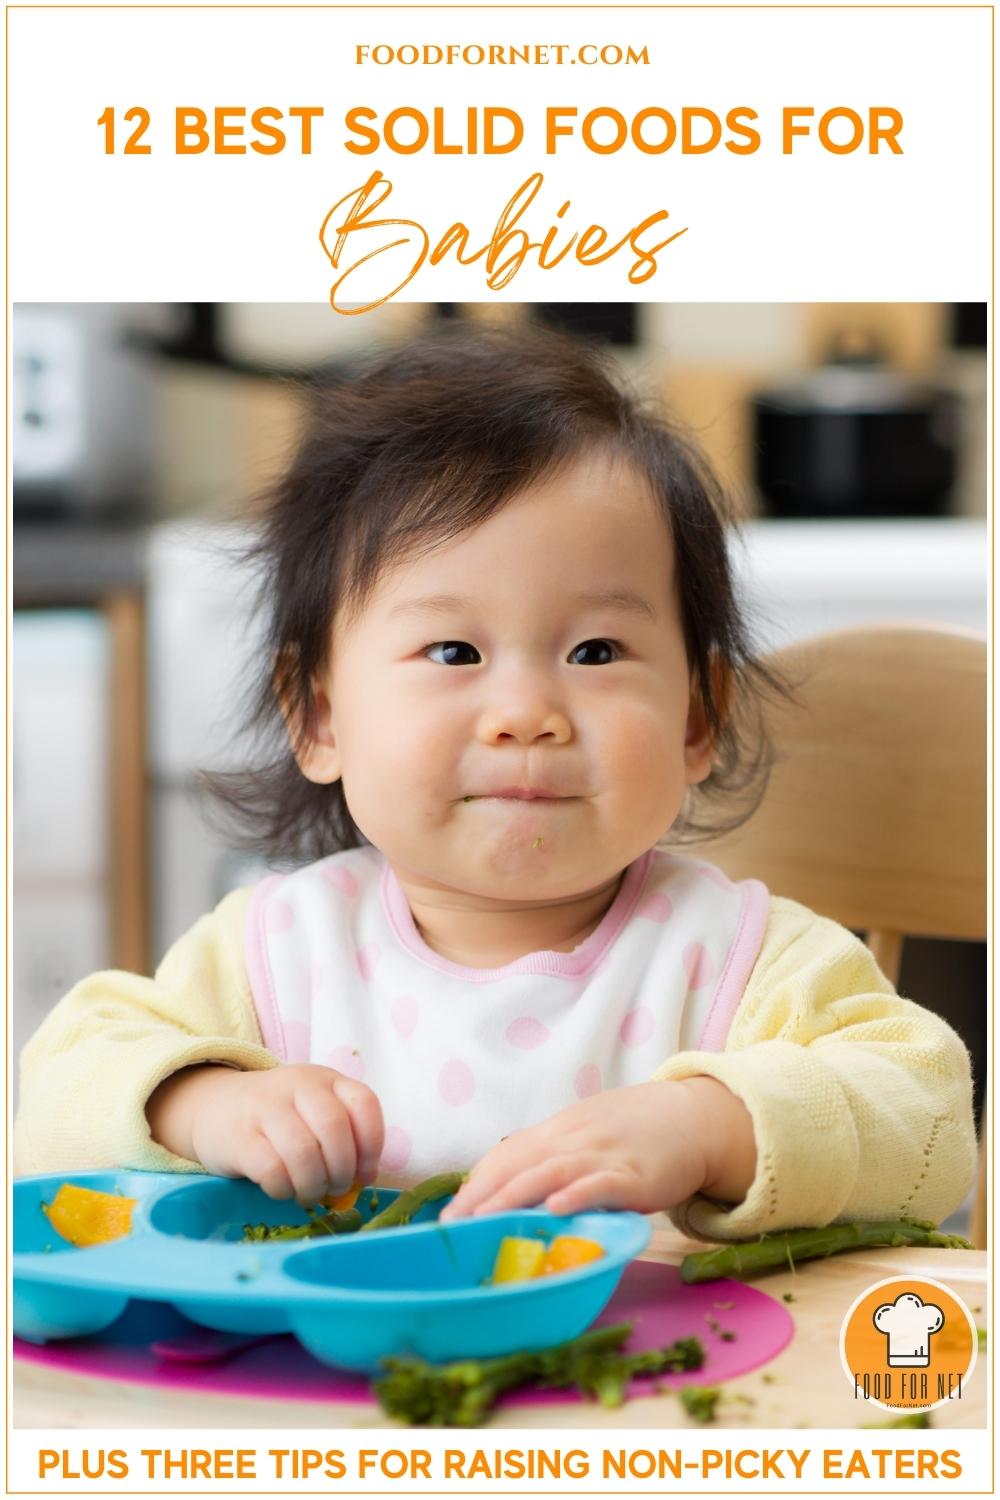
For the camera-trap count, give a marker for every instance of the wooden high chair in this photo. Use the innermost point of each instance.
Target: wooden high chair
(875, 814)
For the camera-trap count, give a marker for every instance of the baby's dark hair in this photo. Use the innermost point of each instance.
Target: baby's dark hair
(425, 443)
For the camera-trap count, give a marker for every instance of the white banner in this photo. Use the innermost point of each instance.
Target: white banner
(623, 153)
(505, 1461)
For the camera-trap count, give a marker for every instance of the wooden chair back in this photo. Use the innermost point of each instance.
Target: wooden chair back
(875, 813)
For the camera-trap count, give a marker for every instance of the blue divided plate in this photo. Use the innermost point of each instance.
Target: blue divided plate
(351, 1301)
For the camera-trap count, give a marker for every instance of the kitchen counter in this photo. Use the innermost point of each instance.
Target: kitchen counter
(805, 577)
(69, 562)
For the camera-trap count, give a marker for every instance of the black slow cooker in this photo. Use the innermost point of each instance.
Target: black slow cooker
(855, 440)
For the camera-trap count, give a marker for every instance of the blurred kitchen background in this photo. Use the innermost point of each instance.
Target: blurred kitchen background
(853, 436)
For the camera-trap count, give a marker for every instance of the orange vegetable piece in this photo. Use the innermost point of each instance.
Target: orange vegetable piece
(569, 1251)
(85, 1217)
(344, 1200)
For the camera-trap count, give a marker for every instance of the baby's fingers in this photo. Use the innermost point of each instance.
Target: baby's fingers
(365, 1115)
(533, 1184)
(603, 1189)
(330, 1125)
(299, 1151)
(498, 1167)
(259, 1161)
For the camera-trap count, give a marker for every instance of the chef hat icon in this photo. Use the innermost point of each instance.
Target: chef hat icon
(908, 1324)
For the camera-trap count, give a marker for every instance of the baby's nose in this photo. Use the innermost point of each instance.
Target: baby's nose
(524, 720)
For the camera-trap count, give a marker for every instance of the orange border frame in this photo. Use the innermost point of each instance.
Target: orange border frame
(8, 630)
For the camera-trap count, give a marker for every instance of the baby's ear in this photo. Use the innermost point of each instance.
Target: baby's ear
(699, 742)
(699, 737)
(307, 713)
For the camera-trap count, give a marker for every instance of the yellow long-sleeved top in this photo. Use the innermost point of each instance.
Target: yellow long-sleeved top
(861, 1101)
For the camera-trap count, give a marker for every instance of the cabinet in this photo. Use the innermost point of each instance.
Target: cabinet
(80, 850)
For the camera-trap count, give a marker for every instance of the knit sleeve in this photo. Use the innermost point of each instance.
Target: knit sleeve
(89, 1070)
(861, 1101)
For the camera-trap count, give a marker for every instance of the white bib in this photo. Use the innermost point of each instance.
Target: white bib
(461, 1057)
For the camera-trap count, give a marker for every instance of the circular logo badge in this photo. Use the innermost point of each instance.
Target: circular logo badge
(908, 1343)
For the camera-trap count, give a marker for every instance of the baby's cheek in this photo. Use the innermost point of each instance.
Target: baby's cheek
(374, 809)
(650, 790)
(647, 746)
(435, 790)
(418, 792)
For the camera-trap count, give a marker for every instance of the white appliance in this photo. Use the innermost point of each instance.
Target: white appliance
(80, 408)
(61, 682)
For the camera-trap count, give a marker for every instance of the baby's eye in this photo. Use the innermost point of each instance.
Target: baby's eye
(597, 653)
(453, 654)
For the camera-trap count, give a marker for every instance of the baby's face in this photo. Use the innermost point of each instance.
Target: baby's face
(511, 713)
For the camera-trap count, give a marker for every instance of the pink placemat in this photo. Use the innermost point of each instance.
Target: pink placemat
(740, 1329)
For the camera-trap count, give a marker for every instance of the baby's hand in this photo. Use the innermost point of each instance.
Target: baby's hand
(646, 1147)
(299, 1130)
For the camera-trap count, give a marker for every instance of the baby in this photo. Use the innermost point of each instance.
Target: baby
(507, 662)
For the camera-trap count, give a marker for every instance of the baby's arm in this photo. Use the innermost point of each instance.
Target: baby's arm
(834, 1099)
(118, 1042)
(861, 1101)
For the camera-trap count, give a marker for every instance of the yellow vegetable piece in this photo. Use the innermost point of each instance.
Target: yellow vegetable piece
(518, 1259)
(344, 1200)
(568, 1251)
(85, 1217)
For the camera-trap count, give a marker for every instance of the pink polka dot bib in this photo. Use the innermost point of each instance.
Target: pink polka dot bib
(460, 1057)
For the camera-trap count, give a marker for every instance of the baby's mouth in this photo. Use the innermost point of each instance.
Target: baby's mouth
(518, 794)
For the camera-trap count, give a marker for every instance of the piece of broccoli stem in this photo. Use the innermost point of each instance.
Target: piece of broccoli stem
(402, 1209)
(320, 1222)
(808, 1244)
(348, 1220)
(462, 1393)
